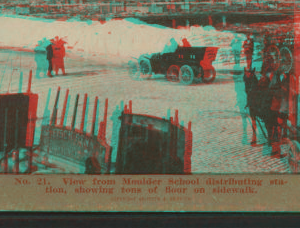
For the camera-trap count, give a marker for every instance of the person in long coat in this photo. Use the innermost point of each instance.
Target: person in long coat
(236, 45)
(185, 42)
(248, 50)
(278, 92)
(40, 59)
(58, 55)
(49, 50)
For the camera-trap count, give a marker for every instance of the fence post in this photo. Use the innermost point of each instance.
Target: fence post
(94, 116)
(75, 112)
(21, 82)
(130, 106)
(29, 82)
(64, 109)
(83, 113)
(125, 109)
(176, 120)
(188, 149)
(105, 118)
(54, 113)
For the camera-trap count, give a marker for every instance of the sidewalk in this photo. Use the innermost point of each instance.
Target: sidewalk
(223, 132)
(225, 148)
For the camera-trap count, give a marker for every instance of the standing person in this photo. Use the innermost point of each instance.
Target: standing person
(185, 42)
(264, 105)
(236, 45)
(171, 46)
(251, 85)
(284, 105)
(58, 55)
(267, 61)
(248, 50)
(39, 57)
(49, 50)
(278, 115)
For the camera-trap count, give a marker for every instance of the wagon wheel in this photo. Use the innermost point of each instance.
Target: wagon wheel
(199, 75)
(134, 70)
(145, 68)
(286, 60)
(173, 73)
(209, 75)
(186, 75)
(273, 55)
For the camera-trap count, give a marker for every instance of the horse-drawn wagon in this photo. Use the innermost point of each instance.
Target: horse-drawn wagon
(185, 65)
(280, 52)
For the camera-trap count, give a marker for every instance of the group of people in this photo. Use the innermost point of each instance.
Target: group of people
(172, 45)
(55, 56)
(267, 98)
(248, 50)
(248, 47)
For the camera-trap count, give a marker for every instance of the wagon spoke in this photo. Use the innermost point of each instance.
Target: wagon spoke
(173, 73)
(186, 75)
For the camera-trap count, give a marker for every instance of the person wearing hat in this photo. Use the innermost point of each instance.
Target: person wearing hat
(58, 55)
(49, 50)
(40, 59)
(268, 63)
(248, 50)
(236, 45)
(185, 42)
(171, 46)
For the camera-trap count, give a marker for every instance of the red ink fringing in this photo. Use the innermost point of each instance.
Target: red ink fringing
(130, 106)
(176, 117)
(83, 113)
(75, 112)
(29, 82)
(64, 109)
(188, 149)
(32, 110)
